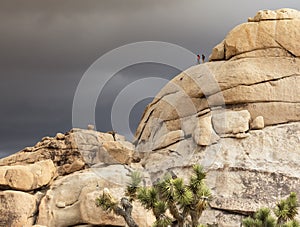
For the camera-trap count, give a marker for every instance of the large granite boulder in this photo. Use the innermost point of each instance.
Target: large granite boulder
(27, 177)
(268, 34)
(238, 115)
(17, 208)
(71, 199)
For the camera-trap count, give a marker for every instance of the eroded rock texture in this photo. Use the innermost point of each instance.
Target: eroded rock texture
(237, 115)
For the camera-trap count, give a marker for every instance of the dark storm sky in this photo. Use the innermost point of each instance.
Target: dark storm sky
(47, 45)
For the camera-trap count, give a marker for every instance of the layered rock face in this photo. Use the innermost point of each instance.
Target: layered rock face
(248, 86)
(237, 115)
(55, 183)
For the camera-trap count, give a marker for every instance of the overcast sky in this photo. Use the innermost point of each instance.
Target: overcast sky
(47, 45)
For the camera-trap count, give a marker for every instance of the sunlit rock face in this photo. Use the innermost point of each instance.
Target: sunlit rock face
(237, 115)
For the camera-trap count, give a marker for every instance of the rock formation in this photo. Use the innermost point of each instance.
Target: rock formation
(237, 115)
(55, 183)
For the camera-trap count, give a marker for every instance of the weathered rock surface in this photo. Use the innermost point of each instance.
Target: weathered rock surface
(231, 122)
(204, 133)
(75, 150)
(280, 14)
(97, 147)
(61, 150)
(244, 175)
(28, 177)
(258, 123)
(238, 116)
(17, 209)
(71, 199)
(268, 30)
(262, 84)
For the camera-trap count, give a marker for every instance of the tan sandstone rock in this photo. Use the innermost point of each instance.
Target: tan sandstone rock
(73, 151)
(62, 152)
(226, 122)
(118, 151)
(280, 14)
(71, 199)
(17, 209)
(96, 147)
(267, 30)
(204, 134)
(251, 83)
(28, 177)
(247, 174)
(258, 123)
(169, 139)
(262, 82)
(283, 90)
(60, 136)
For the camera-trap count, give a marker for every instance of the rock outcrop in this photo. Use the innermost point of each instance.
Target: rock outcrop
(27, 177)
(71, 200)
(268, 34)
(237, 115)
(56, 182)
(264, 85)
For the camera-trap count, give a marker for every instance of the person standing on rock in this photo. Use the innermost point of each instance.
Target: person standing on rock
(203, 58)
(198, 58)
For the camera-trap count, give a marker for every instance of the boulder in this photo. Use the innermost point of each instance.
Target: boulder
(96, 147)
(71, 199)
(243, 175)
(27, 177)
(280, 14)
(61, 150)
(268, 30)
(17, 209)
(119, 152)
(258, 123)
(231, 122)
(60, 136)
(74, 151)
(205, 134)
(262, 81)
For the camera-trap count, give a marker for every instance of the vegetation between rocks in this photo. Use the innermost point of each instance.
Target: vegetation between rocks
(285, 212)
(170, 199)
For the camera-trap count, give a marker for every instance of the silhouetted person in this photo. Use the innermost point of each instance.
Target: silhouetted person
(198, 58)
(203, 58)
